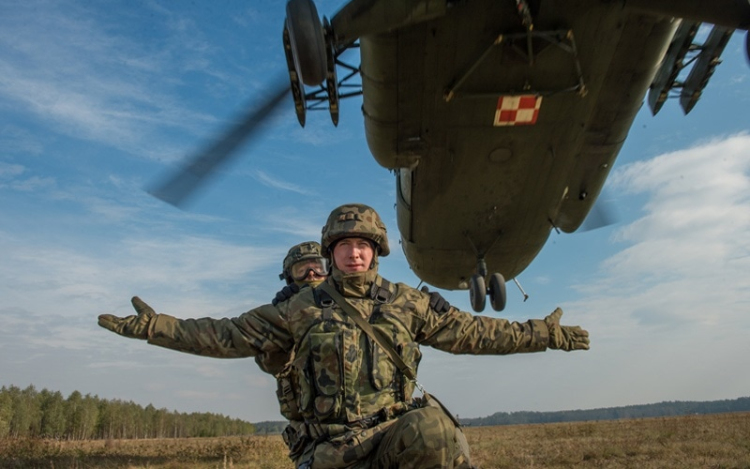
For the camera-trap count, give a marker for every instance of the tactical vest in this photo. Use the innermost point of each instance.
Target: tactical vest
(337, 375)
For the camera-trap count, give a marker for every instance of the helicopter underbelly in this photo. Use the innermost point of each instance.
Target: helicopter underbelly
(472, 185)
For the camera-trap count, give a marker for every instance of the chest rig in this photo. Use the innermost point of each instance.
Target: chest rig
(338, 375)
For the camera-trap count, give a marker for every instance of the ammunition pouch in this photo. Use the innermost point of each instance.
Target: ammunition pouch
(296, 438)
(285, 393)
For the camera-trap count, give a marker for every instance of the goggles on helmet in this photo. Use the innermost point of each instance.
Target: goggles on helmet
(300, 270)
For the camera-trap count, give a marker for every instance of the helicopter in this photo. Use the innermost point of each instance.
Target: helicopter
(501, 119)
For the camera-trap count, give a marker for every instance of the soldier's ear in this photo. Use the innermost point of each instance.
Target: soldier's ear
(374, 262)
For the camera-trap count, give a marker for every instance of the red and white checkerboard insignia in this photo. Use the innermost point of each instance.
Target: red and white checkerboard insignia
(517, 110)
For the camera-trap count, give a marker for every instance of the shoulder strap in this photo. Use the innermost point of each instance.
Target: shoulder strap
(383, 291)
(367, 328)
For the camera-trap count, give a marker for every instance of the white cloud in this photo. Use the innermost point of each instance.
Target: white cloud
(274, 183)
(33, 183)
(247, 18)
(10, 170)
(17, 140)
(98, 277)
(304, 225)
(209, 371)
(93, 83)
(689, 252)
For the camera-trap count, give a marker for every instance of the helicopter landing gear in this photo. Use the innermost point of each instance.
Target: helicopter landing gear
(308, 48)
(332, 89)
(297, 87)
(479, 291)
(496, 292)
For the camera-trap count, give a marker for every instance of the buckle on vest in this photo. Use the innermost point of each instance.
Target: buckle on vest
(368, 422)
(322, 299)
(381, 293)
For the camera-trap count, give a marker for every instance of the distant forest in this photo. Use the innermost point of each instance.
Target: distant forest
(47, 414)
(662, 409)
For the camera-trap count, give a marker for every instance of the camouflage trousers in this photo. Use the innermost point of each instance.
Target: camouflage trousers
(423, 438)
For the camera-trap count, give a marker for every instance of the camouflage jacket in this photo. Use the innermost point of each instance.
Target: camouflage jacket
(338, 375)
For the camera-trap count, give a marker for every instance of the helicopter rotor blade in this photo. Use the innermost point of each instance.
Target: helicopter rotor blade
(603, 213)
(180, 185)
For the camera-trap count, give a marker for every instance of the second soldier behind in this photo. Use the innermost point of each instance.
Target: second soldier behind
(304, 265)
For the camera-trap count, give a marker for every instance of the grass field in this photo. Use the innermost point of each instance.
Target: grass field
(701, 441)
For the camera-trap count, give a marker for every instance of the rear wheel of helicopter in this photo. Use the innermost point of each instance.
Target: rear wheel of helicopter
(497, 292)
(307, 41)
(477, 293)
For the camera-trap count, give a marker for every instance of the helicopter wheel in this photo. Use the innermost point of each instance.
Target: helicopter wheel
(306, 38)
(497, 293)
(477, 293)
(297, 87)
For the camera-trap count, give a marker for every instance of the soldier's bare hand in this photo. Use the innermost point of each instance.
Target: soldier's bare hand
(565, 337)
(134, 327)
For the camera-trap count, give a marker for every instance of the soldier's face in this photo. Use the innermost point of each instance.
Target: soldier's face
(353, 255)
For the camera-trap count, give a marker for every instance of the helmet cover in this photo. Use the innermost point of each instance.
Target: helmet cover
(355, 221)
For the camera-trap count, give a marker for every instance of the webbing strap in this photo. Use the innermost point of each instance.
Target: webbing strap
(381, 293)
(374, 334)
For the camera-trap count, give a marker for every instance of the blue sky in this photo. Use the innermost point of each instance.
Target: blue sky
(99, 98)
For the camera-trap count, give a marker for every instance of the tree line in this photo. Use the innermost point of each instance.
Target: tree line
(47, 414)
(661, 409)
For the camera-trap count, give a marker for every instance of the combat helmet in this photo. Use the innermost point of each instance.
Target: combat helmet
(309, 250)
(355, 220)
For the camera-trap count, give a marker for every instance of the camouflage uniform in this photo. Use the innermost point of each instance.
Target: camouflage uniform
(273, 363)
(357, 407)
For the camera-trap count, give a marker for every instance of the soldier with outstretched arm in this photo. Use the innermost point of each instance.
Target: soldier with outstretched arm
(355, 401)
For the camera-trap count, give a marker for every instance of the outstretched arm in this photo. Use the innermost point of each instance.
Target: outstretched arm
(456, 331)
(261, 330)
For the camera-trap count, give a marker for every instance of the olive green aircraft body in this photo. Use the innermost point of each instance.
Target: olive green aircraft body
(468, 187)
(500, 118)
